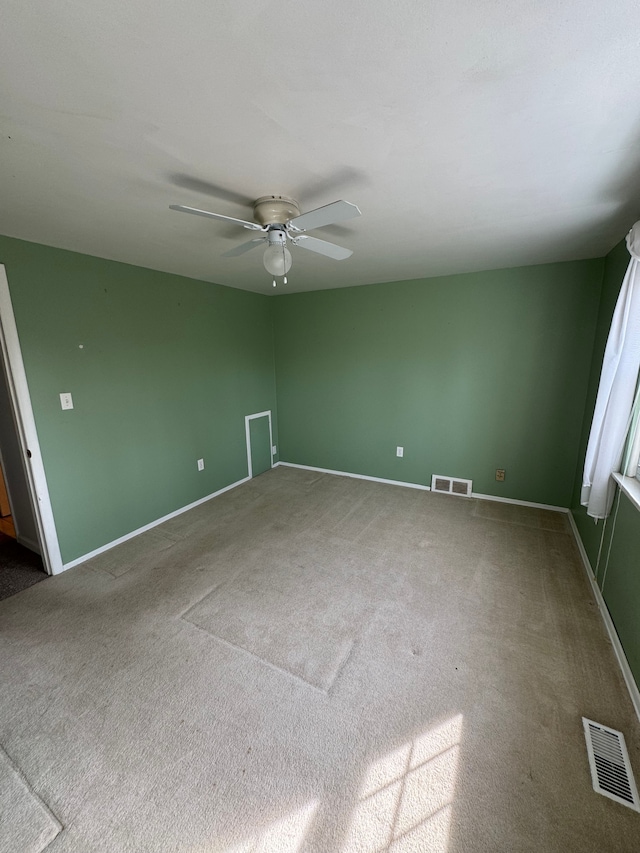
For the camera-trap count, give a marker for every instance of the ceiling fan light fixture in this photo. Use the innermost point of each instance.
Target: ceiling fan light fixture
(277, 259)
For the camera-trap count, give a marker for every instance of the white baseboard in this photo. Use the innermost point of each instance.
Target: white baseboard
(418, 486)
(630, 681)
(549, 507)
(149, 526)
(355, 476)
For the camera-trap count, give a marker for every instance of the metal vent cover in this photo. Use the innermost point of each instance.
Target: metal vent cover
(611, 772)
(451, 485)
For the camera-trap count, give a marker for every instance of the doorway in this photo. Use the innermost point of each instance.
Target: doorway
(7, 527)
(16, 512)
(259, 443)
(20, 458)
(21, 565)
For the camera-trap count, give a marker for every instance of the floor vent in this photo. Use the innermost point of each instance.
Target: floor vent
(611, 772)
(450, 485)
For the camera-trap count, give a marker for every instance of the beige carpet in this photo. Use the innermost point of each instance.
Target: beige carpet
(314, 663)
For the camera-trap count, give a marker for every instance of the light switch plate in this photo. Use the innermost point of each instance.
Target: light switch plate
(400, 452)
(66, 402)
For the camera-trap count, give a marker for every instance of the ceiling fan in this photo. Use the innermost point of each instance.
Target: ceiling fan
(278, 218)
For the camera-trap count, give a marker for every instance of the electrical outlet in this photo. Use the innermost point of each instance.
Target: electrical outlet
(65, 401)
(274, 450)
(400, 452)
(200, 464)
(500, 475)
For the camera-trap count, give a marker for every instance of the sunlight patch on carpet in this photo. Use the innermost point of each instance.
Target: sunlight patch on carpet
(407, 795)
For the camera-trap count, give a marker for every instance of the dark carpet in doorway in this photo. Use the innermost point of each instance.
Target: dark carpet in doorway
(19, 567)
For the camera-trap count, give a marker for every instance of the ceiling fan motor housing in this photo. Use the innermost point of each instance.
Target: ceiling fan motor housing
(275, 209)
(276, 236)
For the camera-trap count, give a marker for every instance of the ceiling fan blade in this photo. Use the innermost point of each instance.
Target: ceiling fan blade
(337, 211)
(252, 225)
(243, 247)
(322, 247)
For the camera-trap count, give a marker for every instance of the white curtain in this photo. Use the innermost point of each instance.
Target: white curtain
(616, 391)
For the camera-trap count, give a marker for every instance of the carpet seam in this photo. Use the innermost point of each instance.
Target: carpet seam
(46, 808)
(256, 657)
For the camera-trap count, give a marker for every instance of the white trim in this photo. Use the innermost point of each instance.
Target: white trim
(420, 486)
(630, 486)
(355, 476)
(151, 524)
(247, 432)
(623, 663)
(27, 433)
(599, 775)
(531, 504)
(442, 478)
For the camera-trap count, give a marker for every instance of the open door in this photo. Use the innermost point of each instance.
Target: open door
(28, 447)
(259, 443)
(16, 511)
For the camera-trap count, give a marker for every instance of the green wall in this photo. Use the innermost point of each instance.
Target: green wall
(468, 373)
(619, 579)
(618, 541)
(162, 369)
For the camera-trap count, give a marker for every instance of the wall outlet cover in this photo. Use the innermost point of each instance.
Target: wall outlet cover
(66, 401)
(200, 464)
(400, 452)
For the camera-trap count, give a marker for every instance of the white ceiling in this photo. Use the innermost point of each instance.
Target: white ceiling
(471, 135)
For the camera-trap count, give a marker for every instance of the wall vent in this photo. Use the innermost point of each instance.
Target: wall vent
(451, 485)
(611, 772)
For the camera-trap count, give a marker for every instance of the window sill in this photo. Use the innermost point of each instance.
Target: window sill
(631, 487)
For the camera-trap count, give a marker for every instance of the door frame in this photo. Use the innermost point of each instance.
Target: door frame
(27, 432)
(247, 430)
